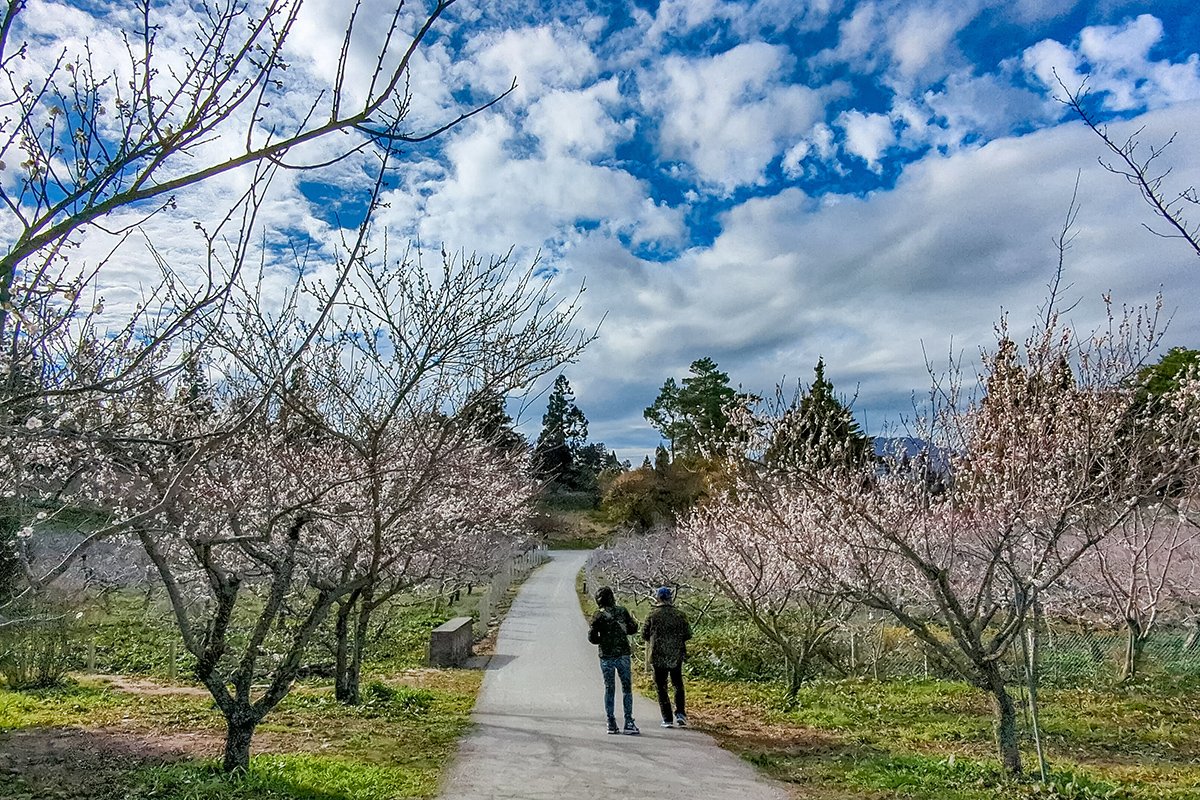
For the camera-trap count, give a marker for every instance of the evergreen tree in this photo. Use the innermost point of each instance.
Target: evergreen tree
(818, 431)
(564, 434)
(487, 418)
(664, 413)
(1156, 380)
(662, 461)
(1155, 383)
(693, 416)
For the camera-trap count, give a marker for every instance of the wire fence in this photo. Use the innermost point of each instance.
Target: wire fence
(1068, 656)
(132, 630)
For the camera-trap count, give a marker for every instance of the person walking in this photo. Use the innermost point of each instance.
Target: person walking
(667, 630)
(610, 629)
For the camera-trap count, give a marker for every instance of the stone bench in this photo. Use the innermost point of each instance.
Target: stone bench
(450, 643)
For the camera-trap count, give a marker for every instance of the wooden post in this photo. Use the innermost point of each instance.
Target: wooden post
(173, 659)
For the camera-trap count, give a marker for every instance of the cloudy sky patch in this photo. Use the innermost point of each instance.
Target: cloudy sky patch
(765, 182)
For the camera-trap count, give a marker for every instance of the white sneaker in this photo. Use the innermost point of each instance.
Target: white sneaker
(666, 724)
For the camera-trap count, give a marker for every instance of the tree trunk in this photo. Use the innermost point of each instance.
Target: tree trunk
(1030, 649)
(1006, 719)
(794, 677)
(351, 647)
(796, 664)
(1135, 644)
(239, 729)
(362, 630)
(341, 683)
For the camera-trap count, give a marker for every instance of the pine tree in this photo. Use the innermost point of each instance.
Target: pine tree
(693, 416)
(564, 434)
(486, 417)
(818, 431)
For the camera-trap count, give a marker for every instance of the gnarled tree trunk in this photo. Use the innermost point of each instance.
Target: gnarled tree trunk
(1006, 718)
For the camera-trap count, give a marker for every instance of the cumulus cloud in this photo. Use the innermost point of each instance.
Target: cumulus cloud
(492, 198)
(674, 18)
(911, 44)
(979, 108)
(1117, 64)
(793, 159)
(1037, 10)
(877, 284)
(868, 136)
(730, 115)
(920, 37)
(579, 123)
(541, 57)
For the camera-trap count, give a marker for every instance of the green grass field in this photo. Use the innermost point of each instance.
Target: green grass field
(394, 745)
(140, 735)
(931, 739)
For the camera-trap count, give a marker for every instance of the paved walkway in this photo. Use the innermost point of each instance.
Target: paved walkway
(540, 719)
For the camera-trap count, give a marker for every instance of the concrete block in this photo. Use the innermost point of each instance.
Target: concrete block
(450, 643)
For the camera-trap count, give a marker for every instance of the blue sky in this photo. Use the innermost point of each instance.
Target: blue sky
(770, 182)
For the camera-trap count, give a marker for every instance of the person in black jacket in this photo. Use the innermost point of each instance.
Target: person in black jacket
(610, 628)
(667, 630)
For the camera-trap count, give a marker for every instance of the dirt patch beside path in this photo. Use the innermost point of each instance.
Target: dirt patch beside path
(145, 686)
(77, 764)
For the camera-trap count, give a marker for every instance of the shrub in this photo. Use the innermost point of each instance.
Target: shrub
(35, 654)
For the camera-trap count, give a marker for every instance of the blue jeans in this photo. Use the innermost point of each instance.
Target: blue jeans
(619, 665)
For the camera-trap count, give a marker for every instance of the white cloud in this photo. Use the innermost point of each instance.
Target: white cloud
(1050, 62)
(824, 139)
(579, 123)
(541, 58)
(492, 199)
(1037, 10)
(911, 44)
(793, 159)
(981, 107)
(746, 20)
(1116, 61)
(875, 284)
(868, 136)
(921, 36)
(1122, 46)
(728, 116)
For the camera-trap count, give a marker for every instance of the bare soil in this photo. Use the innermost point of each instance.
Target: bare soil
(70, 763)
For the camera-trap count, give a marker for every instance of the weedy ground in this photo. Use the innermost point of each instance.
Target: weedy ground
(931, 739)
(128, 731)
(851, 739)
(91, 739)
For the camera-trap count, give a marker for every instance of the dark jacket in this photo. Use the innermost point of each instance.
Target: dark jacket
(666, 630)
(610, 629)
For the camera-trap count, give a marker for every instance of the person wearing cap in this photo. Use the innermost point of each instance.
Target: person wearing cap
(667, 630)
(611, 627)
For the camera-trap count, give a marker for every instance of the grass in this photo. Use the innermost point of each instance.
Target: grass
(394, 745)
(284, 777)
(89, 739)
(933, 739)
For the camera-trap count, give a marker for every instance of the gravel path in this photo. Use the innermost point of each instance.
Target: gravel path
(540, 721)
